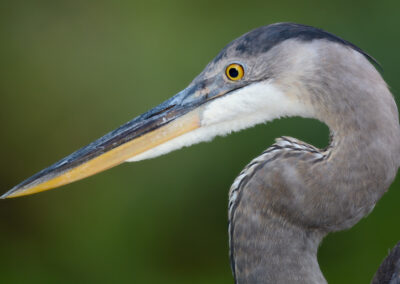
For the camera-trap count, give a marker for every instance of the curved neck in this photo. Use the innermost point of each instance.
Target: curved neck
(362, 159)
(292, 199)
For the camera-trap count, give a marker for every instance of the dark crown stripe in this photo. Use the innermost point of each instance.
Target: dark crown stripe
(264, 38)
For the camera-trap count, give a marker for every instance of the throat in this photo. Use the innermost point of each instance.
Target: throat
(267, 249)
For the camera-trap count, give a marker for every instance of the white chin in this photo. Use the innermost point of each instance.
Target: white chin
(257, 103)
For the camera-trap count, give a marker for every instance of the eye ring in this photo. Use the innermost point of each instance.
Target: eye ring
(234, 72)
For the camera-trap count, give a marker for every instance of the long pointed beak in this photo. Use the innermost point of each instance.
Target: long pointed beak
(176, 116)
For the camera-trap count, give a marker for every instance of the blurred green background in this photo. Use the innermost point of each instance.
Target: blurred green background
(70, 71)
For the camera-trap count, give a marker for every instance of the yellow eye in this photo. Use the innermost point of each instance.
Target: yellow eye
(234, 72)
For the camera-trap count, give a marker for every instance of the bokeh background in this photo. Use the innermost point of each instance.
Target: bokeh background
(70, 71)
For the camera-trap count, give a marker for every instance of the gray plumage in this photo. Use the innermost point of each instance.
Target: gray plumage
(286, 201)
(389, 271)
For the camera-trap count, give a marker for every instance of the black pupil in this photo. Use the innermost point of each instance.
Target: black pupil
(233, 72)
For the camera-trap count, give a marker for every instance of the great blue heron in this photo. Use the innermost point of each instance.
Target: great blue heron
(286, 200)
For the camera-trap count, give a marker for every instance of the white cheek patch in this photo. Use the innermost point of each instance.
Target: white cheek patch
(243, 108)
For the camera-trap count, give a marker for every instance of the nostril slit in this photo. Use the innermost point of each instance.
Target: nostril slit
(161, 111)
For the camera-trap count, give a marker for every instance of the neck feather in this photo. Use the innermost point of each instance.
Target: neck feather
(285, 206)
(266, 247)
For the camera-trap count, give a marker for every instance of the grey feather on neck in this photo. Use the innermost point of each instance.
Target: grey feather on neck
(283, 204)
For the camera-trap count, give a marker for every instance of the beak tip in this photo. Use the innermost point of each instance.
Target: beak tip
(4, 196)
(8, 194)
